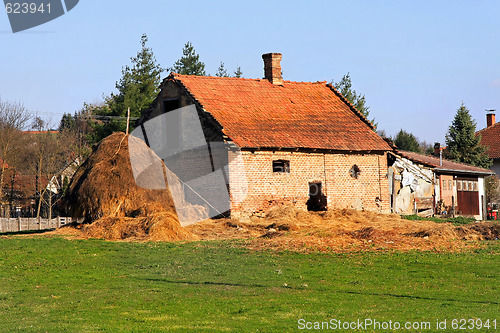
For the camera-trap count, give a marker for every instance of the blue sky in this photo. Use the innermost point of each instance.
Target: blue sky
(415, 61)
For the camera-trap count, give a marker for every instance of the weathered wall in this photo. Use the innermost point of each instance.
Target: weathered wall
(413, 186)
(447, 190)
(266, 188)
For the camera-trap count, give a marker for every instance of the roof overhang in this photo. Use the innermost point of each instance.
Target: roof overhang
(314, 150)
(465, 172)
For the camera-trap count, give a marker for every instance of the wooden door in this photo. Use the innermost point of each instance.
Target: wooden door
(467, 196)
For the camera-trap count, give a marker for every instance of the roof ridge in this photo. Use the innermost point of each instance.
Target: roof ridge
(242, 78)
(213, 77)
(488, 127)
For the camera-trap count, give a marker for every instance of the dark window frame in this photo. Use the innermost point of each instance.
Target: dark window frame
(281, 166)
(355, 171)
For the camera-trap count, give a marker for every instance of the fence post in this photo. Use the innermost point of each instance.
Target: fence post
(1, 225)
(39, 223)
(19, 223)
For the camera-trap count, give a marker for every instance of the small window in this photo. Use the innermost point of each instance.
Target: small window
(459, 185)
(354, 171)
(475, 187)
(281, 166)
(170, 104)
(450, 185)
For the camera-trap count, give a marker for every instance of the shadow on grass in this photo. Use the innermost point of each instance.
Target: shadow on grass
(205, 283)
(417, 297)
(25, 232)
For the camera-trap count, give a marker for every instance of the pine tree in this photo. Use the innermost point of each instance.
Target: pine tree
(238, 73)
(407, 141)
(463, 145)
(344, 86)
(221, 71)
(189, 63)
(139, 84)
(68, 122)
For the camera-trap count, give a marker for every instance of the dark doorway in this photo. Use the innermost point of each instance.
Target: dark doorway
(317, 200)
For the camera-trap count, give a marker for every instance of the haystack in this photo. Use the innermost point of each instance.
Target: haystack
(104, 193)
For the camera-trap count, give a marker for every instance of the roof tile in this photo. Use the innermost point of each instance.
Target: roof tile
(434, 162)
(255, 113)
(490, 137)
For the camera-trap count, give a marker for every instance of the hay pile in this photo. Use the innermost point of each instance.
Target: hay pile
(104, 193)
(344, 230)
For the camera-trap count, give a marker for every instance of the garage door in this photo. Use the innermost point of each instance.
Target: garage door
(468, 196)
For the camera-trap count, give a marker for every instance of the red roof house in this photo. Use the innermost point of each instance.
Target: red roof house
(301, 143)
(490, 137)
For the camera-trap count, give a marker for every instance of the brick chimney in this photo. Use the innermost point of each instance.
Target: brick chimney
(490, 118)
(437, 148)
(272, 68)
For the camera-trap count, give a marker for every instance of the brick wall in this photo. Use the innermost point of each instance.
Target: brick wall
(265, 188)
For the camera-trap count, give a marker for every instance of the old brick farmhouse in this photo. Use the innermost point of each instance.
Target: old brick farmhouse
(301, 143)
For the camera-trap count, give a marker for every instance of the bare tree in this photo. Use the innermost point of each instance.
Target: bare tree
(492, 185)
(14, 118)
(49, 153)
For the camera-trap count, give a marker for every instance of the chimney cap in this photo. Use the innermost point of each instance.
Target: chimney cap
(271, 54)
(490, 111)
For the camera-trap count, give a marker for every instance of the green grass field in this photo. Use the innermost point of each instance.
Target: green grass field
(59, 285)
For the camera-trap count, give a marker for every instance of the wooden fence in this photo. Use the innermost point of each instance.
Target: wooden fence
(18, 224)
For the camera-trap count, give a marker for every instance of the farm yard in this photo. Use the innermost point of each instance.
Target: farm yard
(50, 283)
(268, 197)
(54, 283)
(132, 267)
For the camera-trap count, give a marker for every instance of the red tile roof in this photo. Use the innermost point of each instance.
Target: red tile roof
(255, 114)
(447, 165)
(490, 137)
(41, 132)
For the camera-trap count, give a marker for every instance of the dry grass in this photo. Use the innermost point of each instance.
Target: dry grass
(105, 195)
(345, 230)
(157, 227)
